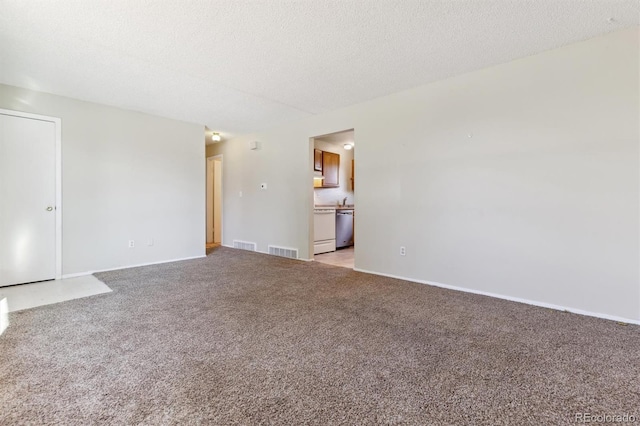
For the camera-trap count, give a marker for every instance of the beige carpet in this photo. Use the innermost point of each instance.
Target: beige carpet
(245, 338)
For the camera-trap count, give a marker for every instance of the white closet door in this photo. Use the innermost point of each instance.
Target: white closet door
(27, 200)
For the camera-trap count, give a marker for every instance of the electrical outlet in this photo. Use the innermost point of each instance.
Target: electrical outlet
(132, 243)
(403, 251)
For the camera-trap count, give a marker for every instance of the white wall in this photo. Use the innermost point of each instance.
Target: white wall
(334, 196)
(541, 203)
(125, 175)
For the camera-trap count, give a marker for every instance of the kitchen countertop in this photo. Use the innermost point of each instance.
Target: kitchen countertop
(333, 206)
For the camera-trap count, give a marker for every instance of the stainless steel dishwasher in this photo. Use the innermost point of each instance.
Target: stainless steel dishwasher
(344, 228)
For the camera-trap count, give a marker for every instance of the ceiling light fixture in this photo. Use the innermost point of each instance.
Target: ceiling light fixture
(215, 137)
(348, 146)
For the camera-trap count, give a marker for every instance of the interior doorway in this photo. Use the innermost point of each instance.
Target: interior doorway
(334, 200)
(214, 201)
(30, 190)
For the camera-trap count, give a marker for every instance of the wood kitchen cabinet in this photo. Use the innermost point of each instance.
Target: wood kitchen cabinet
(317, 160)
(330, 169)
(353, 170)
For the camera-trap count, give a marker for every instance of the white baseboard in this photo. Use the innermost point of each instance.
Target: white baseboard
(510, 298)
(81, 274)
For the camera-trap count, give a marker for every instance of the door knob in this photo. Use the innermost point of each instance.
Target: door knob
(49, 208)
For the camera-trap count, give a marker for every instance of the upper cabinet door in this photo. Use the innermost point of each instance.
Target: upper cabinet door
(330, 169)
(317, 160)
(353, 171)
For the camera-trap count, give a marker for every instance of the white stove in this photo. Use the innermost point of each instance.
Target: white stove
(324, 230)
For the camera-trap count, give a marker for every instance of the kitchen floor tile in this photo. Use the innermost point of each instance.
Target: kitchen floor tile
(342, 257)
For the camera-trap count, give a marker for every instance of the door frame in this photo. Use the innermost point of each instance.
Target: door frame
(213, 159)
(58, 153)
(310, 176)
(208, 197)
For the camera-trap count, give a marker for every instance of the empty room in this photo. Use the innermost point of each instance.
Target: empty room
(182, 185)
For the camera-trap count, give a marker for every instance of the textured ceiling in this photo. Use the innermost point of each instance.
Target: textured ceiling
(241, 66)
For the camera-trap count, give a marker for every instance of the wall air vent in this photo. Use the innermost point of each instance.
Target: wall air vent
(244, 245)
(291, 253)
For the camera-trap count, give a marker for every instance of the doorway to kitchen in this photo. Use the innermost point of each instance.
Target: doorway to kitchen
(334, 210)
(214, 202)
